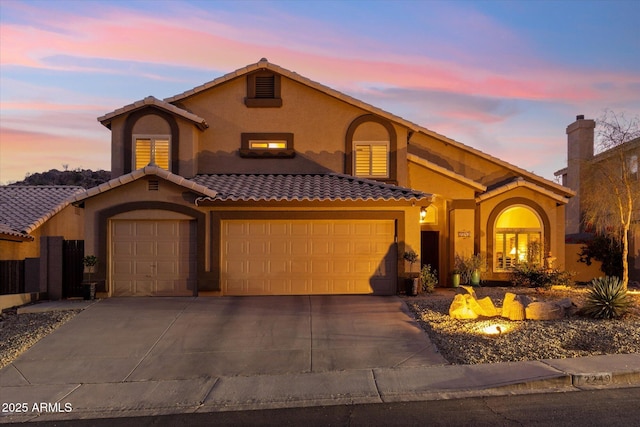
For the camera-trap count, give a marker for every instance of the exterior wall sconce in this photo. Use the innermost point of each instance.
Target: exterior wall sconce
(423, 214)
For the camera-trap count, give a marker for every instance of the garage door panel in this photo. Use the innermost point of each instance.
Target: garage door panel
(144, 248)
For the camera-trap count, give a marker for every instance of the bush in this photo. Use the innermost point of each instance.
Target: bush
(428, 278)
(531, 275)
(606, 299)
(467, 265)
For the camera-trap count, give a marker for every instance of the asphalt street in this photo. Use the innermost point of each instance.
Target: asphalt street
(612, 407)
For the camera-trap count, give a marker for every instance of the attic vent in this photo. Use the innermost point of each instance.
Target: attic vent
(265, 87)
(154, 185)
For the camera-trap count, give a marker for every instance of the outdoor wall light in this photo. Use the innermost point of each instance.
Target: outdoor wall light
(423, 213)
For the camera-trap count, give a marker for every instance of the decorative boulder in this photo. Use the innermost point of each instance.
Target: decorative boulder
(487, 309)
(544, 311)
(516, 310)
(460, 307)
(506, 304)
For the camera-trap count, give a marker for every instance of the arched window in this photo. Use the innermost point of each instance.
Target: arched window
(518, 238)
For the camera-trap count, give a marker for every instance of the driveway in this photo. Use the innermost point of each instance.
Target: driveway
(158, 339)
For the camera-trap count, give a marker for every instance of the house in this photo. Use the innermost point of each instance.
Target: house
(34, 223)
(264, 182)
(580, 155)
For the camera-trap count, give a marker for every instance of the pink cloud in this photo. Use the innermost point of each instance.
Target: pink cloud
(208, 42)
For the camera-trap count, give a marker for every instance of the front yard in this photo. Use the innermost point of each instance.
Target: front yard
(479, 341)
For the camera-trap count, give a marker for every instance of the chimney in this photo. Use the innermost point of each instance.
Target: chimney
(580, 138)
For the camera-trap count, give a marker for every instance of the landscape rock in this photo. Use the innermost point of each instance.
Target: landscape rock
(460, 307)
(544, 311)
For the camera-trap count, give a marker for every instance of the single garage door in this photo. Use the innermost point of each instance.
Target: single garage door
(153, 257)
(306, 257)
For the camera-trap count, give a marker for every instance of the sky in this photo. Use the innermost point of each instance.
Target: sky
(504, 77)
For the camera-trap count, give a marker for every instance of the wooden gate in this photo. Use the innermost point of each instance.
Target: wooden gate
(72, 268)
(11, 277)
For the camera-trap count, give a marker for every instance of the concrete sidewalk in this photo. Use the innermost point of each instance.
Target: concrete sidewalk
(159, 372)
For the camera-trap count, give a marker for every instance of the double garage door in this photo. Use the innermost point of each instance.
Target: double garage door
(306, 257)
(257, 257)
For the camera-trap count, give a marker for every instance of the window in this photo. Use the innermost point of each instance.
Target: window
(151, 150)
(267, 145)
(263, 90)
(371, 159)
(518, 238)
(632, 166)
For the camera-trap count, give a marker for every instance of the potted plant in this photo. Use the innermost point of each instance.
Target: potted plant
(469, 268)
(89, 287)
(412, 281)
(455, 278)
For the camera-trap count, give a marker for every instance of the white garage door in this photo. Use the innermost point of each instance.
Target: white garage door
(305, 257)
(153, 258)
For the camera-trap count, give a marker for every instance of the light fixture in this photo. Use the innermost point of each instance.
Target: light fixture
(423, 213)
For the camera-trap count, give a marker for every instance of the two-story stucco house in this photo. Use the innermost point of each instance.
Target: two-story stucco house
(264, 182)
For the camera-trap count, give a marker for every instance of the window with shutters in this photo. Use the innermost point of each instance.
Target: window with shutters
(151, 150)
(263, 90)
(371, 159)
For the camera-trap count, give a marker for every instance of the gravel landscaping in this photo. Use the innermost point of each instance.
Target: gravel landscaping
(19, 332)
(478, 341)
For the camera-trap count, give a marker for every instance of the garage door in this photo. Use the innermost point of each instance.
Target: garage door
(301, 257)
(153, 258)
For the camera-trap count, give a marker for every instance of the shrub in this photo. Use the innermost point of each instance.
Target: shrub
(467, 265)
(428, 278)
(530, 275)
(606, 299)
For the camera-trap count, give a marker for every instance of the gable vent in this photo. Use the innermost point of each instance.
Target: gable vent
(265, 86)
(154, 185)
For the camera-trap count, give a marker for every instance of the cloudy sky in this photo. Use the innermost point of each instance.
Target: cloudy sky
(505, 77)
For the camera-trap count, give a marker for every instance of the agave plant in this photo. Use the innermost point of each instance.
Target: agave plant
(607, 299)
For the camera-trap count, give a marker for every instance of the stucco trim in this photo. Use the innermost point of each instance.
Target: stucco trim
(446, 172)
(521, 182)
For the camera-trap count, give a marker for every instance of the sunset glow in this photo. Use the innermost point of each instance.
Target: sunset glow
(503, 77)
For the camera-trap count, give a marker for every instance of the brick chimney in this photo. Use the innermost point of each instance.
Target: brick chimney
(580, 139)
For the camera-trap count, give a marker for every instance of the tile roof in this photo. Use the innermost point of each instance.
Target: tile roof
(149, 170)
(23, 208)
(299, 187)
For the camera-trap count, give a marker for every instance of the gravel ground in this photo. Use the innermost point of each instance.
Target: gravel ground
(18, 333)
(464, 342)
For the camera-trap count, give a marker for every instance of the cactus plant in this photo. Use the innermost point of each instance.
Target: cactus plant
(607, 299)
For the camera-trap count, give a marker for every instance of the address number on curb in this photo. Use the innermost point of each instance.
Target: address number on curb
(597, 379)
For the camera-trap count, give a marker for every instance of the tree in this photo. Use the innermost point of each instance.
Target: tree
(612, 188)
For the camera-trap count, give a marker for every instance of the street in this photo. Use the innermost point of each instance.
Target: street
(615, 407)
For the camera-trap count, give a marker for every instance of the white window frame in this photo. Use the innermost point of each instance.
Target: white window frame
(153, 138)
(356, 144)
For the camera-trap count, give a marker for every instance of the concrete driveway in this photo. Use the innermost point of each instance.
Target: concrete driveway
(151, 339)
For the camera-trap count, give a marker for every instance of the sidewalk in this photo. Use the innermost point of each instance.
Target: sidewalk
(102, 399)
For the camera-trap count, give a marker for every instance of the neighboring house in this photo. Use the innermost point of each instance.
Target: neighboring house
(580, 154)
(30, 212)
(34, 223)
(264, 182)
